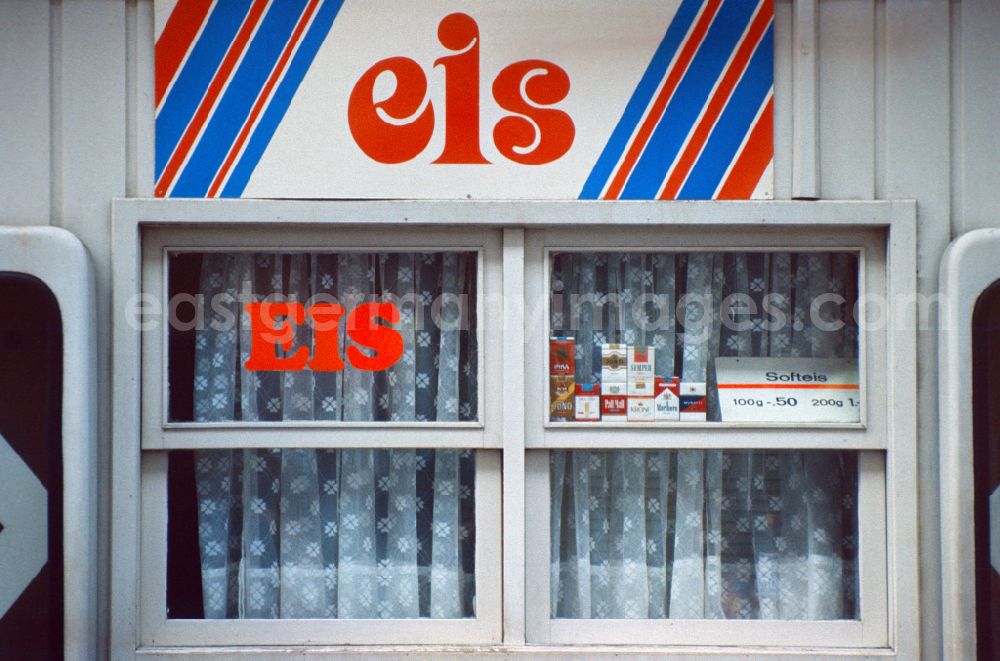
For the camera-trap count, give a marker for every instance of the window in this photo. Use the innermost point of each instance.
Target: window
(283, 373)
(693, 509)
(327, 504)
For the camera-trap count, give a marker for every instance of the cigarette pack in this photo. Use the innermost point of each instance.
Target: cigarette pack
(561, 355)
(614, 408)
(640, 409)
(694, 404)
(614, 363)
(614, 388)
(667, 402)
(561, 391)
(588, 402)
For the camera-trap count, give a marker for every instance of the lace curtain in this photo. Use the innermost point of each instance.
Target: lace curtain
(352, 533)
(703, 534)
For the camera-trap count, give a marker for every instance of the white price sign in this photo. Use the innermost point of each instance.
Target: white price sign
(788, 390)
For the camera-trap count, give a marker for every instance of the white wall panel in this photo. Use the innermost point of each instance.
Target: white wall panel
(91, 167)
(846, 108)
(24, 113)
(917, 149)
(979, 116)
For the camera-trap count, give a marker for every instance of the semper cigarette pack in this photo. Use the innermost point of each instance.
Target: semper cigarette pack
(640, 371)
(667, 401)
(562, 391)
(694, 403)
(588, 402)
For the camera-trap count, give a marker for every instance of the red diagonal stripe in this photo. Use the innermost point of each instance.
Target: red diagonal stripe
(265, 93)
(175, 41)
(734, 71)
(222, 74)
(753, 160)
(656, 111)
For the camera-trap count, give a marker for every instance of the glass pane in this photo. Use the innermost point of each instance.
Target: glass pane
(695, 336)
(758, 535)
(309, 533)
(351, 336)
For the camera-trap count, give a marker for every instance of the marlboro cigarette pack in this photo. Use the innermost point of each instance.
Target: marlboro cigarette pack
(561, 355)
(640, 409)
(667, 402)
(694, 404)
(561, 389)
(640, 371)
(614, 363)
(614, 408)
(588, 402)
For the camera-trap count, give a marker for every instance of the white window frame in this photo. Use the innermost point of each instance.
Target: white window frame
(896, 220)
(161, 434)
(869, 432)
(871, 629)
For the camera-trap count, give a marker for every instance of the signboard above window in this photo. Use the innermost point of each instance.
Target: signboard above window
(662, 99)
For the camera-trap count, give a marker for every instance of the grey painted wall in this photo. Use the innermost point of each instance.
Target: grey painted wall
(874, 100)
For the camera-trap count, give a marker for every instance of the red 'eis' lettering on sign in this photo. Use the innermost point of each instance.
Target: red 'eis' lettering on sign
(273, 325)
(534, 134)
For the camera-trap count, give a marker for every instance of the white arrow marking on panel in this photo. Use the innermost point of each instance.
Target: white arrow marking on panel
(24, 540)
(995, 529)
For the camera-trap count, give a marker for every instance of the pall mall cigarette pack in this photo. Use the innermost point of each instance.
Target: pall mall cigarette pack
(614, 408)
(694, 403)
(667, 401)
(588, 402)
(640, 371)
(562, 394)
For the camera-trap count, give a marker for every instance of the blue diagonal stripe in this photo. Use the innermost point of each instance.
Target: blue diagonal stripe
(691, 95)
(234, 107)
(734, 124)
(188, 89)
(641, 98)
(282, 98)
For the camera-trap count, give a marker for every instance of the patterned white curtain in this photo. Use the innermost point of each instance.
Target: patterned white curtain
(301, 533)
(703, 534)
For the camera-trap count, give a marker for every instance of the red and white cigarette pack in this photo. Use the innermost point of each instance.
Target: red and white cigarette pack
(640, 371)
(614, 408)
(562, 359)
(588, 402)
(694, 403)
(667, 402)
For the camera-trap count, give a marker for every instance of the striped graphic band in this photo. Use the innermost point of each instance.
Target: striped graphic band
(282, 98)
(208, 102)
(228, 113)
(717, 102)
(262, 98)
(636, 108)
(200, 64)
(684, 137)
(184, 24)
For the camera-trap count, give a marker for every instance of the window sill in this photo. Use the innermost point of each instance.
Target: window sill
(503, 651)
